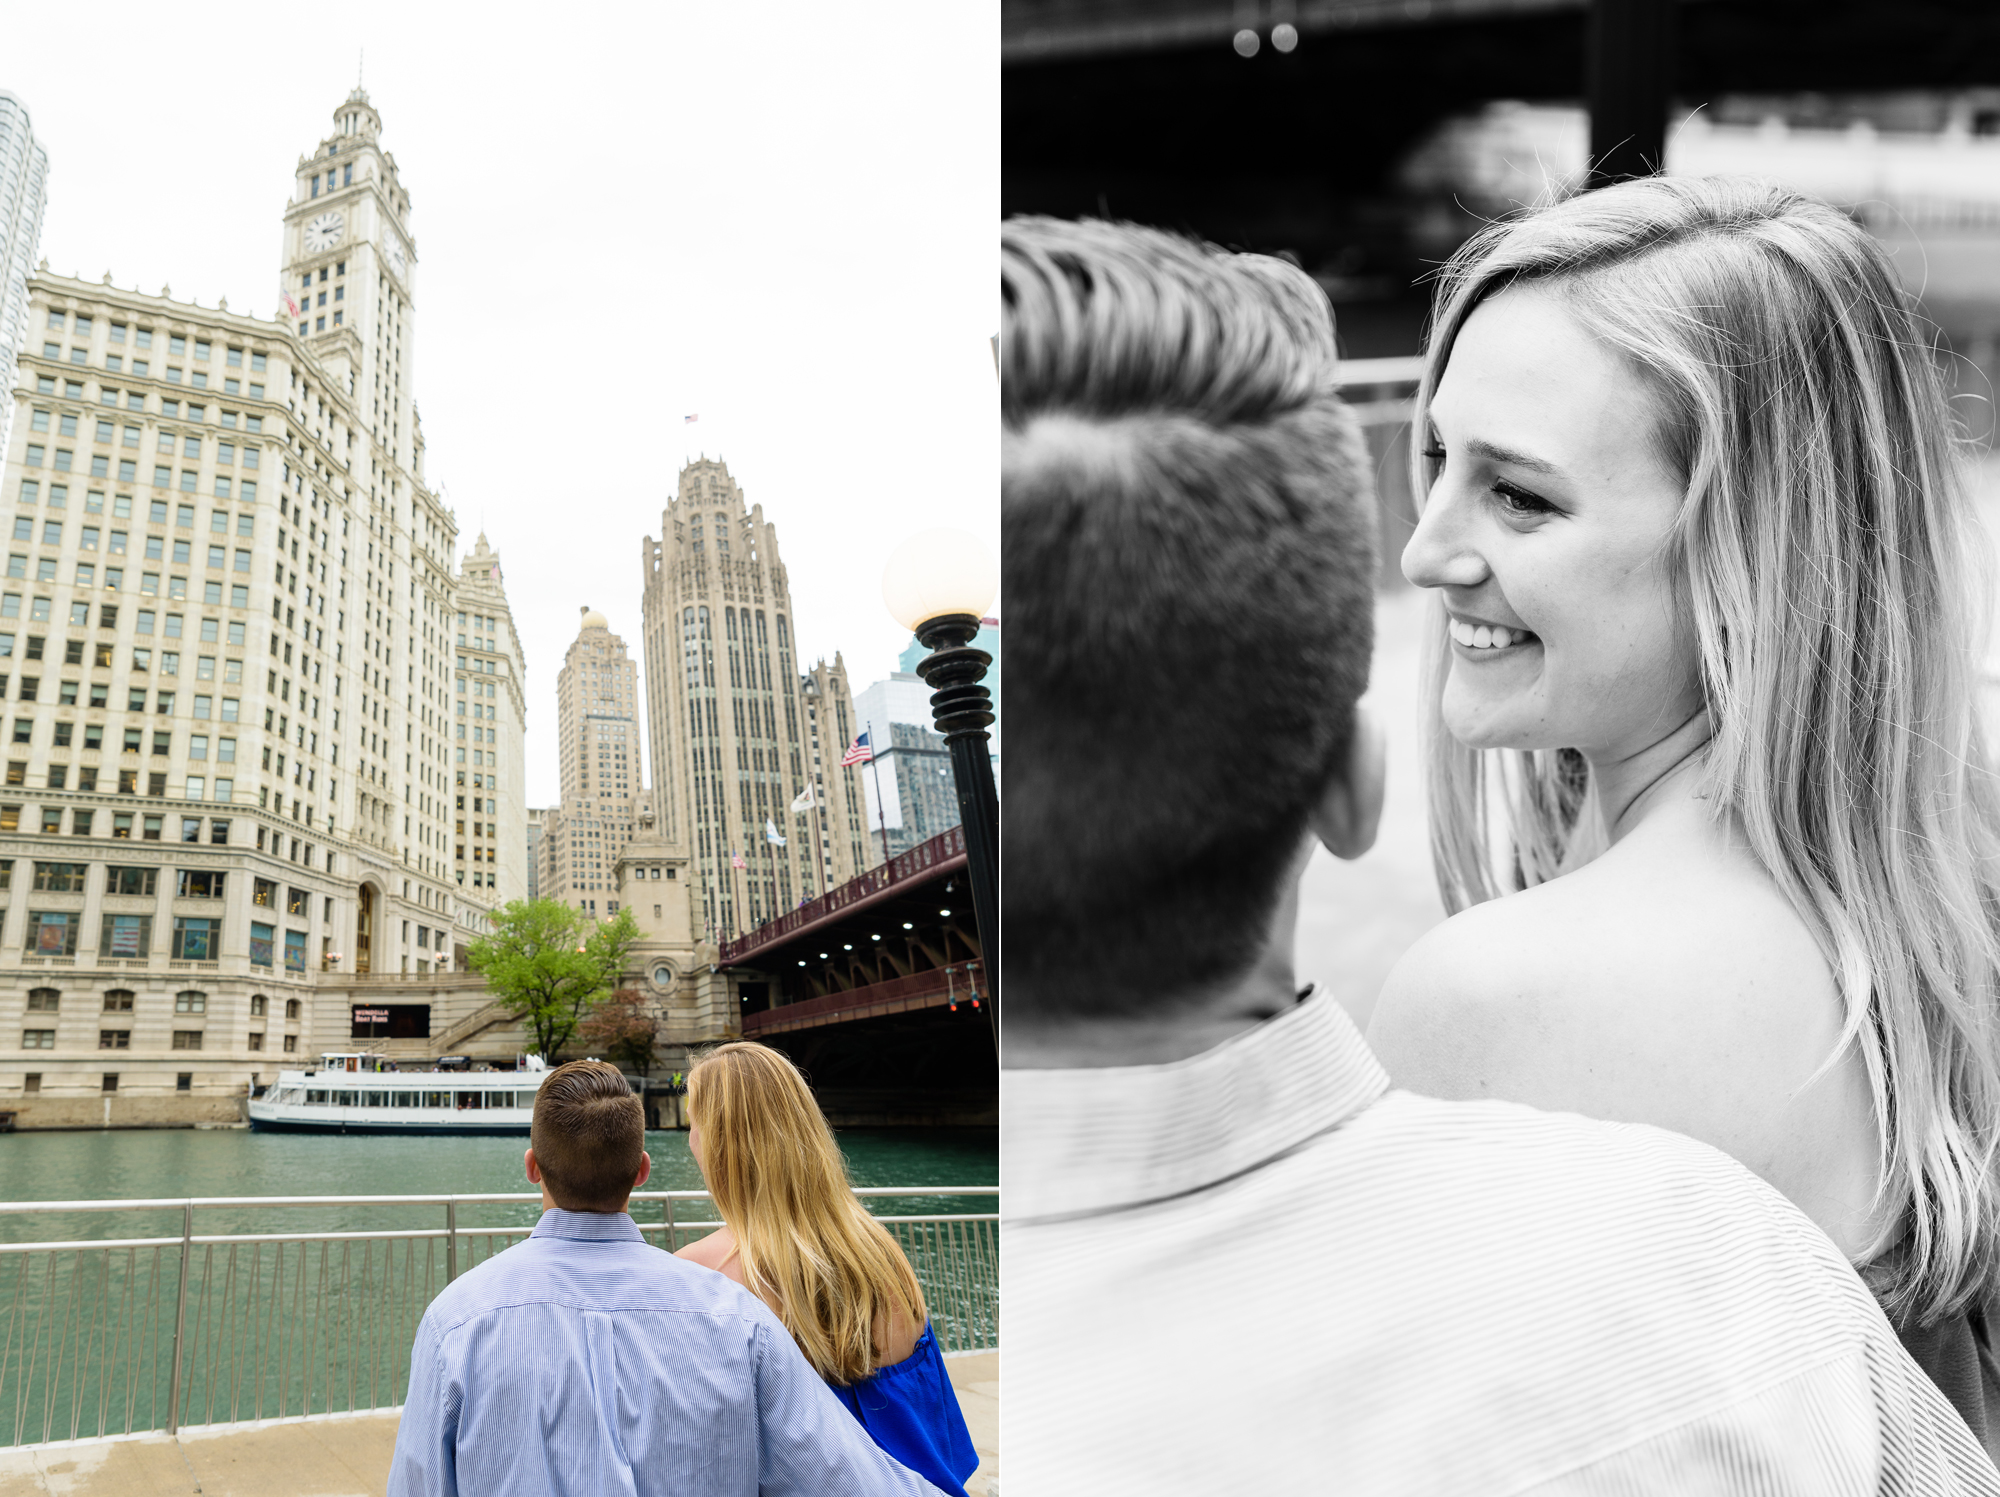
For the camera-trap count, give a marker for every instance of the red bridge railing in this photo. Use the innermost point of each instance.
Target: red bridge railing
(924, 860)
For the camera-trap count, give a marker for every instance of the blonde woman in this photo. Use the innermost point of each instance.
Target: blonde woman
(1710, 799)
(795, 1236)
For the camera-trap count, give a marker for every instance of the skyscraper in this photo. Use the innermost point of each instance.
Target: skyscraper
(597, 728)
(738, 726)
(227, 642)
(24, 193)
(490, 706)
(911, 792)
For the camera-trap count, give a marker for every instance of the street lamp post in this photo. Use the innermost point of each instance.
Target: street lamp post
(938, 585)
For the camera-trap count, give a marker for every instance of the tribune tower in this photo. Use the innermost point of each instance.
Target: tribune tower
(738, 725)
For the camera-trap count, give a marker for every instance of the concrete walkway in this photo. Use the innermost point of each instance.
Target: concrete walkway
(338, 1455)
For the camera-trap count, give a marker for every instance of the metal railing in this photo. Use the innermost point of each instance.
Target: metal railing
(119, 1335)
(921, 861)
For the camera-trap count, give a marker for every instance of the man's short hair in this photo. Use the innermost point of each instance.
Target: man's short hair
(1188, 542)
(589, 1134)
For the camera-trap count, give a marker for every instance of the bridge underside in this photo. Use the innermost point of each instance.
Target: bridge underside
(927, 1067)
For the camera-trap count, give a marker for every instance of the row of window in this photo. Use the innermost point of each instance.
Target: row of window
(72, 694)
(211, 632)
(83, 323)
(135, 400)
(196, 938)
(63, 459)
(122, 1001)
(150, 826)
(218, 558)
(456, 1101)
(31, 1083)
(66, 421)
(185, 480)
(141, 368)
(212, 592)
(121, 1039)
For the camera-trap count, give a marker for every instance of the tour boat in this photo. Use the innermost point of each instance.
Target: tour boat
(354, 1092)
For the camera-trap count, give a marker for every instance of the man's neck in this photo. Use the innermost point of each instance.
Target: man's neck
(1157, 1029)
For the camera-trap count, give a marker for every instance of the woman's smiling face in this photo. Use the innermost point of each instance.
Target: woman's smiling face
(1546, 529)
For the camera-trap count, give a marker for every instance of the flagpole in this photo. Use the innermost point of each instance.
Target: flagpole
(812, 813)
(881, 816)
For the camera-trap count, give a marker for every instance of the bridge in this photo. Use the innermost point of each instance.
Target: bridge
(878, 990)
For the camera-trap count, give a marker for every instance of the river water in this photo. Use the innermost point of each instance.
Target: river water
(178, 1162)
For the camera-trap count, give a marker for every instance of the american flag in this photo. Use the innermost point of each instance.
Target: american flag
(689, 420)
(858, 752)
(736, 860)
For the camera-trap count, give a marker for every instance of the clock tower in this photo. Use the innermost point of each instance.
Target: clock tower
(349, 274)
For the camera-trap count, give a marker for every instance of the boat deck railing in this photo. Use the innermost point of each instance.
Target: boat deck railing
(103, 1334)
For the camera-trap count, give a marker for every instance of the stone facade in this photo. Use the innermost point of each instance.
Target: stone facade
(490, 787)
(734, 717)
(600, 765)
(227, 664)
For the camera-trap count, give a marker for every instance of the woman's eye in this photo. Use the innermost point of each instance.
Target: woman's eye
(1518, 501)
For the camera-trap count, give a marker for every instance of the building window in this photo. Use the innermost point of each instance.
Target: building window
(118, 1001)
(291, 1009)
(52, 932)
(114, 1039)
(260, 952)
(43, 1000)
(110, 1081)
(196, 938)
(187, 1039)
(38, 1039)
(191, 1002)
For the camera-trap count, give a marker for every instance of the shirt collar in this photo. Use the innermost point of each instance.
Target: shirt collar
(588, 1226)
(1086, 1141)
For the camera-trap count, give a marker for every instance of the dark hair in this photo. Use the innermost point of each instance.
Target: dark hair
(1188, 557)
(589, 1134)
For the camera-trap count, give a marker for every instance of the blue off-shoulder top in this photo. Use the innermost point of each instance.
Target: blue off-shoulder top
(911, 1411)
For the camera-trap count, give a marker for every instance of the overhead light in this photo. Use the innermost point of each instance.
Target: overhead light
(822, 956)
(944, 912)
(802, 961)
(874, 938)
(847, 946)
(908, 926)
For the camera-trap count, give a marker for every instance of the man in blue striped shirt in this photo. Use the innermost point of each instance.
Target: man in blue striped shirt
(1236, 1260)
(586, 1361)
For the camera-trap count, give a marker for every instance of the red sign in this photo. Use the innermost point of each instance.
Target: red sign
(371, 1016)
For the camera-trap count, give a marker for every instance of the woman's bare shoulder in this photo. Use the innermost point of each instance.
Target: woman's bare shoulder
(717, 1251)
(1592, 993)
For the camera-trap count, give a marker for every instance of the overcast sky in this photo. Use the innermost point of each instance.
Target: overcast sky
(780, 218)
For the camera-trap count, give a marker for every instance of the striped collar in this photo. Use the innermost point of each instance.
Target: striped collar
(1081, 1142)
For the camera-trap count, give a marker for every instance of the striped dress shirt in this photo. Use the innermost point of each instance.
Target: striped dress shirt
(1261, 1271)
(585, 1362)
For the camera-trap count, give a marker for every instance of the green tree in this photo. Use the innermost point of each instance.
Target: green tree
(624, 1028)
(549, 965)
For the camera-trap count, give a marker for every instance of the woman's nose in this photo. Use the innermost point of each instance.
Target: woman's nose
(1441, 552)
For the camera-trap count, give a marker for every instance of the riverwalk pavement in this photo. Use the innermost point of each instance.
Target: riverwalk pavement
(336, 1455)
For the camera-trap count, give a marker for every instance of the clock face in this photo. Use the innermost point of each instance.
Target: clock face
(324, 232)
(392, 247)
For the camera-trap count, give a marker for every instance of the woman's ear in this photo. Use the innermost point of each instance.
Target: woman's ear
(1350, 807)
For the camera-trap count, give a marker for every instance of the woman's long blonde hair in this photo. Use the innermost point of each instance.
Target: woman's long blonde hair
(809, 1249)
(1827, 562)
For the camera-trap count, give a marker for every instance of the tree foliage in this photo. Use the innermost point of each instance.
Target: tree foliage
(624, 1028)
(549, 965)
